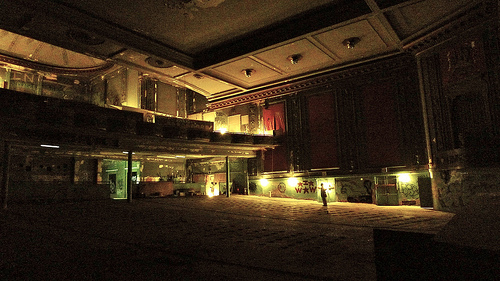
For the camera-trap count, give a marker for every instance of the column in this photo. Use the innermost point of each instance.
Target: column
(228, 178)
(129, 177)
(4, 186)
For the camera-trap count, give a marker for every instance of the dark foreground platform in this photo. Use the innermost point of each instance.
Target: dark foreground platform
(200, 238)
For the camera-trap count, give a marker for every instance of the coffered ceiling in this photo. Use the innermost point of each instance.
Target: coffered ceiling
(221, 48)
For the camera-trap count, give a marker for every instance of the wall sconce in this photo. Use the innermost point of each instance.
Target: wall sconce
(294, 59)
(351, 42)
(248, 72)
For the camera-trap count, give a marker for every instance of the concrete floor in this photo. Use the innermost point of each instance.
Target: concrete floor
(200, 238)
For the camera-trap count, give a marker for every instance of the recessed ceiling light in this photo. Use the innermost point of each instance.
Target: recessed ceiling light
(294, 59)
(248, 72)
(351, 42)
(158, 63)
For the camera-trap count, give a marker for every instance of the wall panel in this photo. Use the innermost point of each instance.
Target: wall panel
(322, 131)
(383, 141)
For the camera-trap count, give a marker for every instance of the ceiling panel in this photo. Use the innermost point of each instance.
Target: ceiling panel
(141, 60)
(221, 38)
(208, 85)
(370, 44)
(192, 26)
(412, 18)
(72, 37)
(234, 72)
(33, 50)
(310, 57)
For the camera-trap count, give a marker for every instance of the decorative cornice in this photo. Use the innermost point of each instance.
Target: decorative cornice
(54, 69)
(466, 20)
(385, 66)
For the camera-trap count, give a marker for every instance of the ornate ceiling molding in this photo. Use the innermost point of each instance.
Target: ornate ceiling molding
(384, 67)
(478, 14)
(54, 69)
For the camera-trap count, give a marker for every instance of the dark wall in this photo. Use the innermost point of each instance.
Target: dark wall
(167, 99)
(380, 116)
(460, 82)
(41, 168)
(322, 131)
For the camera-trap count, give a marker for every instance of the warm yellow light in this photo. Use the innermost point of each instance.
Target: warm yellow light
(264, 182)
(404, 178)
(212, 191)
(223, 130)
(326, 185)
(293, 182)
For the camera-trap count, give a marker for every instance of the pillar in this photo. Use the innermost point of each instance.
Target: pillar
(228, 178)
(72, 170)
(129, 177)
(4, 186)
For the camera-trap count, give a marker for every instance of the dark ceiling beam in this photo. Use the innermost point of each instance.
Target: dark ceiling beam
(383, 4)
(377, 12)
(311, 21)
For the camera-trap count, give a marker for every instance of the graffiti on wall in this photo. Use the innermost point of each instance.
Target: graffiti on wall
(281, 187)
(354, 190)
(305, 187)
(112, 183)
(24, 82)
(279, 190)
(462, 188)
(409, 190)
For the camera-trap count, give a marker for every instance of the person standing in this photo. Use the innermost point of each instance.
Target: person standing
(323, 194)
